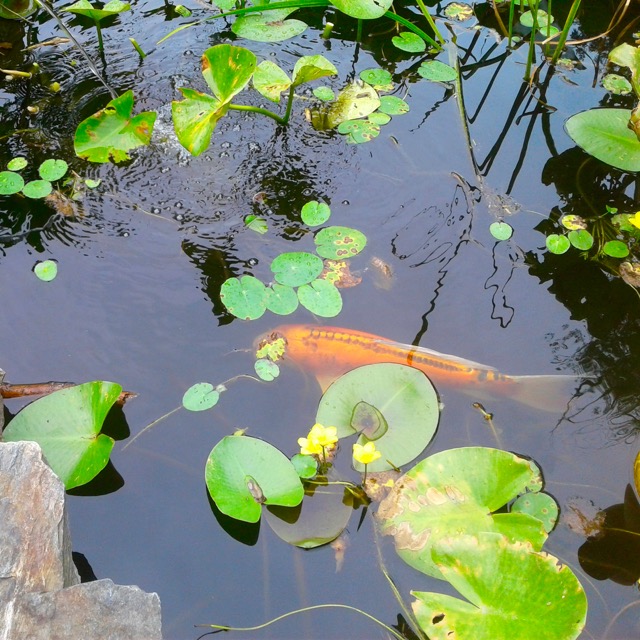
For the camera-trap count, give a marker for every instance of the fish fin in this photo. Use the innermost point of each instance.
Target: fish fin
(547, 392)
(325, 379)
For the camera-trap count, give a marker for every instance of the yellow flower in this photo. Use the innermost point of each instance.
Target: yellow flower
(324, 436)
(365, 454)
(309, 447)
(635, 219)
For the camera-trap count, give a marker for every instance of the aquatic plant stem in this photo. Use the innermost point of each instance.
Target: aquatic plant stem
(392, 631)
(430, 20)
(565, 30)
(264, 112)
(155, 422)
(100, 41)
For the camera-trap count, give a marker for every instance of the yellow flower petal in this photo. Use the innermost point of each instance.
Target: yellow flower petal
(309, 447)
(323, 436)
(365, 454)
(635, 219)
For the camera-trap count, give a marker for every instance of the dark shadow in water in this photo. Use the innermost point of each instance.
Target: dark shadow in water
(245, 532)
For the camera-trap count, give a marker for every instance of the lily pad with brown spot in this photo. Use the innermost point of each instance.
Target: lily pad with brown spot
(339, 243)
(339, 273)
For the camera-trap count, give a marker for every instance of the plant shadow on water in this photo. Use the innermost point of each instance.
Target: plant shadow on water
(128, 305)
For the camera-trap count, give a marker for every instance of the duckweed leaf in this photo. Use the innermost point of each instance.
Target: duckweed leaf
(259, 225)
(37, 189)
(410, 42)
(321, 297)
(338, 243)
(269, 26)
(359, 131)
(501, 230)
(581, 239)
(244, 297)
(305, 466)
(615, 249)
(557, 244)
(67, 424)
(200, 397)
(603, 133)
(379, 79)
(454, 493)
(195, 118)
(315, 213)
(405, 415)
(363, 9)
(325, 94)
(356, 100)
(270, 80)
(112, 131)
(16, 164)
(393, 106)
(46, 270)
(266, 369)
(309, 68)
(227, 69)
(437, 71)
(296, 268)
(539, 505)
(281, 299)
(10, 183)
(512, 592)
(237, 462)
(53, 169)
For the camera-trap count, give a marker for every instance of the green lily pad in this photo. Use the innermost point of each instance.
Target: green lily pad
(325, 94)
(16, 164)
(315, 213)
(17, 9)
(543, 19)
(320, 518)
(573, 222)
(437, 71)
(557, 244)
(85, 8)
(227, 70)
(356, 100)
(454, 493)
(309, 68)
(403, 397)
(200, 397)
(339, 243)
(359, 131)
(296, 268)
(615, 249)
(581, 239)
(244, 473)
(112, 131)
(269, 26)
(512, 593)
(363, 9)
(244, 297)
(379, 79)
(281, 299)
(266, 369)
(195, 118)
(540, 505)
(501, 230)
(616, 84)
(603, 133)
(92, 184)
(46, 270)
(458, 11)
(53, 169)
(10, 183)
(393, 106)
(306, 466)
(270, 80)
(321, 297)
(410, 42)
(259, 225)
(67, 424)
(378, 118)
(37, 189)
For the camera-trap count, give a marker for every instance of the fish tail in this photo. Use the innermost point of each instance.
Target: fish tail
(547, 392)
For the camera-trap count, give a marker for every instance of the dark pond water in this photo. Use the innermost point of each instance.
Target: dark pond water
(137, 301)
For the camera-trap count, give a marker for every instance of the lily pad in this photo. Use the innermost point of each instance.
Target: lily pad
(240, 468)
(359, 131)
(512, 592)
(378, 118)
(269, 26)
(259, 225)
(10, 183)
(615, 249)
(501, 230)
(403, 397)
(296, 268)
(557, 244)
(458, 11)
(315, 213)
(200, 397)
(266, 369)
(410, 42)
(53, 169)
(542, 18)
(581, 239)
(309, 68)
(363, 9)
(321, 297)
(379, 79)
(85, 8)
(67, 424)
(437, 71)
(112, 131)
(356, 100)
(573, 222)
(325, 94)
(16, 164)
(616, 84)
(37, 189)
(540, 505)
(281, 299)
(270, 80)
(46, 270)
(244, 297)
(305, 466)
(454, 493)
(393, 106)
(338, 243)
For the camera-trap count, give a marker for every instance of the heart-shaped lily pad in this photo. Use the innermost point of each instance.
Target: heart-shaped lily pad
(338, 243)
(281, 299)
(296, 268)
(244, 297)
(322, 298)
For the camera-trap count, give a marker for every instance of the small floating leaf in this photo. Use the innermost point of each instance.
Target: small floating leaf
(379, 79)
(410, 42)
(363, 9)
(259, 225)
(16, 164)
(616, 84)
(92, 184)
(378, 118)
(581, 239)
(325, 94)
(53, 169)
(367, 420)
(437, 71)
(573, 222)
(269, 26)
(305, 466)
(200, 397)
(339, 243)
(393, 106)
(244, 297)
(315, 213)
(540, 505)
(458, 11)
(37, 189)
(46, 270)
(266, 369)
(616, 249)
(272, 347)
(10, 183)
(543, 19)
(296, 268)
(321, 297)
(281, 299)
(359, 131)
(557, 244)
(501, 230)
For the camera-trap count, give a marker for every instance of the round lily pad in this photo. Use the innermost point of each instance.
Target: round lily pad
(573, 222)
(281, 299)
(244, 297)
(615, 84)
(458, 11)
(437, 71)
(379, 79)
(296, 268)
(266, 369)
(200, 397)
(37, 189)
(305, 466)
(53, 169)
(557, 244)
(46, 270)
(10, 183)
(338, 243)
(321, 297)
(540, 505)
(393, 106)
(616, 249)
(315, 213)
(410, 42)
(359, 131)
(581, 239)
(501, 230)
(379, 118)
(16, 164)
(325, 94)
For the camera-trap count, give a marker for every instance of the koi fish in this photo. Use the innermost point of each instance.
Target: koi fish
(329, 352)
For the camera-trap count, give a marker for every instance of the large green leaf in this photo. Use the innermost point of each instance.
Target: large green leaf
(603, 133)
(195, 118)
(512, 592)
(392, 403)
(112, 131)
(227, 70)
(364, 9)
(66, 424)
(309, 68)
(269, 26)
(244, 473)
(85, 8)
(453, 493)
(17, 9)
